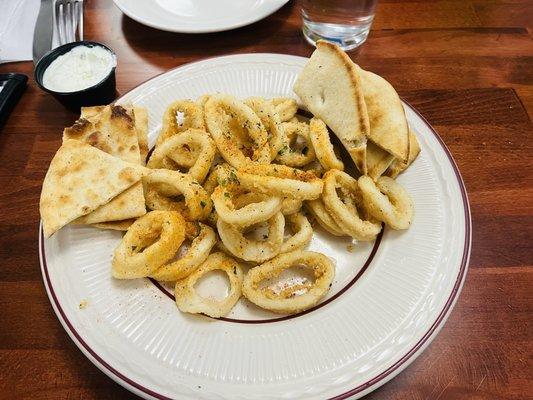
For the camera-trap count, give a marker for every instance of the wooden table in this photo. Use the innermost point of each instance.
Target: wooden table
(465, 65)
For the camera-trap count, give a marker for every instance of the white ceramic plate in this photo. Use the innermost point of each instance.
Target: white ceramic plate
(388, 300)
(198, 16)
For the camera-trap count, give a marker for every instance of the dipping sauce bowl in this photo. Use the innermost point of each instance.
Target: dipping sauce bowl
(76, 87)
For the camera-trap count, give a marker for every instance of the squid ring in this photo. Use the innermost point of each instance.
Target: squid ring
(193, 117)
(238, 132)
(290, 206)
(221, 175)
(179, 149)
(289, 155)
(303, 233)
(254, 250)
(196, 254)
(244, 199)
(161, 185)
(249, 214)
(285, 107)
(188, 300)
(288, 300)
(319, 135)
(202, 99)
(387, 201)
(150, 242)
(218, 174)
(318, 210)
(346, 211)
(315, 167)
(270, 119)
(280, 180)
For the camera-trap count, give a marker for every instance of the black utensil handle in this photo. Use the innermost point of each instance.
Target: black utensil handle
(11, 88)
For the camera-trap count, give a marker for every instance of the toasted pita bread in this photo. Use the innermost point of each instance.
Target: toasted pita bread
(397, 166)
(388, 125)
(330, 87)
(128, 204)
(91, 112)
(108, 128)
(377, 160)
(115, 225)
(139, 115)
(80, 179)
(141, 125)
(112, 129)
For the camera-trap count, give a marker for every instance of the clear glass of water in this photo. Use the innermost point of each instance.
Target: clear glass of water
(343, 22)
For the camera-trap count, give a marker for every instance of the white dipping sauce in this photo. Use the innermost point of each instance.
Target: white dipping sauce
(78, 69)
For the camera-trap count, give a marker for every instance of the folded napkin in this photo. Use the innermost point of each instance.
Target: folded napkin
(17, 22)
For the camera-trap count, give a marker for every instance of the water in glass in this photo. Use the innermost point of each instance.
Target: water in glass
(343, 22)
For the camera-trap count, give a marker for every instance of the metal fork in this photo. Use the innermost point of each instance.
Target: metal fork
(68, 17)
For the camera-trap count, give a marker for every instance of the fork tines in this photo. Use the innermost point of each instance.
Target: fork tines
(68, 16)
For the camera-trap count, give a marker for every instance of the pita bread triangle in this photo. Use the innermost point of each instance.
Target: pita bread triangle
(108, 128)
(388, 125)
(139, 116)
(111, 129)
(377, 160)
(398, 166)
(330, 87)
(115, 225)
(128, 204)
(80, 179)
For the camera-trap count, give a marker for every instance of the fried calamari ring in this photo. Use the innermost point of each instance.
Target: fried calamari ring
(289, 300)
(212, 218)
(238, 132)
(270, 119)
(294, 153)
(387, 201)
(220, 246)
(318, 210)
(179, 150)
(163, 186)
(195, 255)
(150, 242)
(285, 107)
(203, 99)
(242, 199)
(315, 167)
(193, 117)
(290, 206)
(280, 180)
(349, 211)
(188, 300)
(319, 135)
(256, 250)
(252, 213)
(219, 176)
(302, 233)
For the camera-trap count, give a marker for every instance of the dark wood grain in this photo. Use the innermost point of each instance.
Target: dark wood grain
(467, 66)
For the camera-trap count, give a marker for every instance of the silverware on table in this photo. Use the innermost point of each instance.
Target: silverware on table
(69, 20)
(43, 33)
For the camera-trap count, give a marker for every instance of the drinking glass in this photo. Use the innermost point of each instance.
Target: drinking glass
(343, 22)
